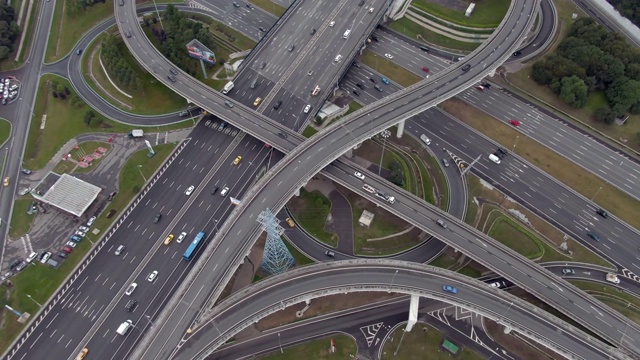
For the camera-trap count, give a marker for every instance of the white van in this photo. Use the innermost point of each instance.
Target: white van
(426, 140)
(124, 327)
(494, 158)
(346, 34)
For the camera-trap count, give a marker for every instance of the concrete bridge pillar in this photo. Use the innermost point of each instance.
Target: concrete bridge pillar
(400, 129)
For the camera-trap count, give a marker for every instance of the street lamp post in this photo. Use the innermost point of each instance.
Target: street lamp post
(280, 343)
(385, 134)
(37, 303)
(149, 319)
(139, 169)
(158, 12)
(515, 143)
(594, 195)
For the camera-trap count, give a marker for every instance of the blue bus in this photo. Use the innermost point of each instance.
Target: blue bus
(194, 246)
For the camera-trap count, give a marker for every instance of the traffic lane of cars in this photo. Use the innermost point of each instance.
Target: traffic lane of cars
(541, 193)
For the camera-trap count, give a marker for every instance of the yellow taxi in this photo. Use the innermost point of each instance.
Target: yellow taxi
(82, 354)
(237, 160)
(6, 181)
(167, 241)
(257, 102)
(290, 222)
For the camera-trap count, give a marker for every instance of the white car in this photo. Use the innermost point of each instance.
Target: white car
(358, 175)
(388, 56)
(32, 256)
(189, 190)
(152, 276)
(306, 109)
(338, 58)
(181, 237)
(83, 228)
(332, 23)
(71, 243)
(80, 233)
(368, 188)
(131, 288)
(46, 257)
(91, 221)
(371, 10)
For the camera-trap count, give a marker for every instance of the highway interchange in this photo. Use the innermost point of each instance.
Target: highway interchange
(228, 160)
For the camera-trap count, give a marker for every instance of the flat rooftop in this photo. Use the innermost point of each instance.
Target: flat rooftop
(66, 193)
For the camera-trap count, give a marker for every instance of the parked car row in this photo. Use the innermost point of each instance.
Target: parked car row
(8, 91)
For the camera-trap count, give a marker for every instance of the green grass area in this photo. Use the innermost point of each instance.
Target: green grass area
(485, 14)
(470, 271)
(66, 30)
(427, 182)
(353, 107)
(269, 6)
(300, 258)
(317, 349)
(412, 29)
(311, 210)
(64, 122)
(88, 148)
(631, 313)
(5, 130)
(580, 180)
(388, 69)
(423, 342)
(596, 100)
(595, 288)
(130, 181)
(444, 261)
(222, 32)
(449, 26)
(309, 131)
(515, 236)
(20, 220)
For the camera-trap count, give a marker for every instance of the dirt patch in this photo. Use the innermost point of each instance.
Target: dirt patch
(322, 306)
(514, 344)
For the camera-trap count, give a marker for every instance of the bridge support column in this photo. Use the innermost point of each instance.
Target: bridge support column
(400, 129)
(349, 152)
(413, 312)
(492, 73)
(507, 330)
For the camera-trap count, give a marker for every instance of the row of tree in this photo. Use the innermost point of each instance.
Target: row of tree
(9, 29)
(118, 68)
(593, 59)
(74, 7)
(174, 34)
(629, 9)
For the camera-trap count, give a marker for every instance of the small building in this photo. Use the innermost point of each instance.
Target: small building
(366, 218)
(67, 193)
(451, 347)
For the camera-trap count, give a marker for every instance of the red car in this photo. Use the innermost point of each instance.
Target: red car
(425, 69)
(514, 122)
(480, 87)
(67, 249)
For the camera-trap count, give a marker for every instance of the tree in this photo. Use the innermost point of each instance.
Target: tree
(604, 114)
(623, 94)
(397, 174)
(88, 115)
(573, 91)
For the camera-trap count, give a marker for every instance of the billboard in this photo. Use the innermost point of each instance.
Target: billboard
(198, 51)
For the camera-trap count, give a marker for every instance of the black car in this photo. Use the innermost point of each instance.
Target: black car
(131, 305)
(249, 6)
(356, 64)
(173, 71)
(313, 31)
(214, 190)
(262, 65)
(171, 77)
(63, 254)
(593, 235)
(466, 67)
(374, 38)
(517, 53)
(262, 29)
(356, 92)
(282, 135)
(424, 48)
(360, 86)
(486, 85)
(157, 218)
(15, 264)
(602, 213)
(79, 52)
(372, 80)
(277, 105)
(501, 153)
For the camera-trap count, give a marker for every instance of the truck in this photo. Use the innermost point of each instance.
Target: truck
(124, 327)
(136, 134)
(315, 91)
(227, 87)
(613, 278)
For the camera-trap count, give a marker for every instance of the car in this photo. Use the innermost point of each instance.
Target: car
(167, 241)
(282, 135)
(84, 351)
(372, 80)
(359, 175)
(442, 224)
(75, 238)
(131, 289)
(67, 249)
(338, 58)
(189, 190)
(257, 101)
(450, 289)
(360, 86)
(290, 222)
(45, 256)
(515, 123)
(313, 31)
(173, 71)
(374, 38)
(306, 109)
(79, 52)
(355, 92)
(377, 88)
(331, 24)
(466, 67)
(357, 64)
(291, 47)
(310, 72)
(15, 264)
(593, 236)
(277, 105)
(424, 48)
(228, 103)
(91, 220)
(249, 6)
(445, 162)
(237, 160)
(224, 191)
(131, 305)
(181, 237)
(388, 56)
(156, 219)
(262, 29)
(371, 10)
(501, 153)
(71, 244)
(214, 190)
(385, 80)
(63, 254)
(119, 250)
(4, 101)
(567, 271)
(152, 276)
(236, 4)
(80, 233)
(32, 256)
(262, 65)
(496, 284)
(83, 228)
(171, 78)
(368, 188)
(602, 213)
(26, 171)
(486, 85)
(6, 181)
(425, 69)
(480, 87)
(517, 53)
(330, 254)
